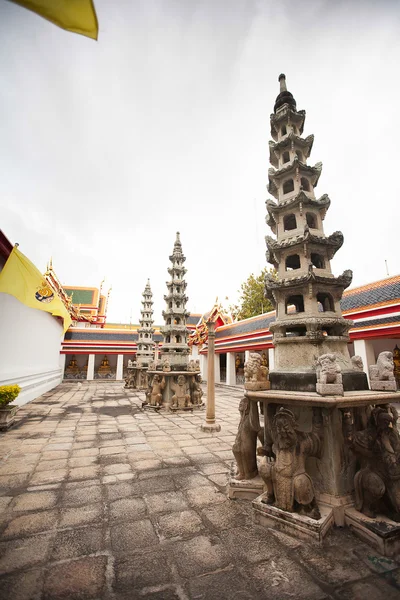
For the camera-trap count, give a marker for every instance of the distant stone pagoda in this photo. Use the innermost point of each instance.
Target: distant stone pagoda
(145, 343)
(175, 347)
(309, 321)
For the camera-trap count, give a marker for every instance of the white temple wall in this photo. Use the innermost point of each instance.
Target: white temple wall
(30, 343)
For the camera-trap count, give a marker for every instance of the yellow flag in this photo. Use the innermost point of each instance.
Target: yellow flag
(21, 279)
(78, 16)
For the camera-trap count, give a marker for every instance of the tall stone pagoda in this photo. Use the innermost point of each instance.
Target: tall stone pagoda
(174, 381)
(145, 343)
(175, 347)
(309, 321)
(325, 444)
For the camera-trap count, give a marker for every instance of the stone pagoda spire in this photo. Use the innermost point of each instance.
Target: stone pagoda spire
(145, 343)
(309, 321)
(175, 347)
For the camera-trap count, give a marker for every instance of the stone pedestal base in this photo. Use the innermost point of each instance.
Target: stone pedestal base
(210, 427)
(381, 533)
(293, 523)
(245, 489)
(330, 389)
(383, 386)
(257, 386)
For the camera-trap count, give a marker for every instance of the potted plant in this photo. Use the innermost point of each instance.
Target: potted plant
(8, 393)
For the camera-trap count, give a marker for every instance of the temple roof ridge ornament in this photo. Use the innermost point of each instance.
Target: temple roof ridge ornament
(284, 97)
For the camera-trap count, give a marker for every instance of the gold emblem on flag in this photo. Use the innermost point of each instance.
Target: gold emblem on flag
(44, 293)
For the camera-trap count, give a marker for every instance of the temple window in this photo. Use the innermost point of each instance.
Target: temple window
(289, 222)
(170, 304)
(297, 301)
(168, 339)
(285, 157)
(288, 186)
(294, 128)
(177, 321)
(325, 302)
(283, 130)
(311, 220)
(178, 305)
(317, 261)
(305, 184)
(299, 155)
(300, 330)
(292, 262)
(178, 339)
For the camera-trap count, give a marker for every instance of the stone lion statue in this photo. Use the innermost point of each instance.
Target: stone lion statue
(254, 370)
(328, 369)
(357, 363)
(383, 370)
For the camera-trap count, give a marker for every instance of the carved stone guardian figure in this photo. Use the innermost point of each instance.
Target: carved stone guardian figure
(377, 483)
(156, 389)
(180, 399)
(329, 375)
(255, 373)
(244, 448)
(289, 487)
(196, 390)
(381, 375)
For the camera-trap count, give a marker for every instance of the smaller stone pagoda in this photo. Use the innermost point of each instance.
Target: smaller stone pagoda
(137, 370)
(174, 380)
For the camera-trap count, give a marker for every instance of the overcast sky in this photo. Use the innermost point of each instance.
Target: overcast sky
(108, 148)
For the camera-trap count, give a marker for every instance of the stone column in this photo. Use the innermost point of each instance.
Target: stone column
(365, 349)
(271, 358)
(210, 424)
(120, 367)
(246, 355)
(203, 366)
(230, 368)
(156, 351)
(217, 369)
(90, 370)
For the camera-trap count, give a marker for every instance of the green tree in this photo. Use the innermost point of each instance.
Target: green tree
(252, 301)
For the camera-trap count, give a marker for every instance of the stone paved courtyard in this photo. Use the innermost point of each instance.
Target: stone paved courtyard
(101, 500)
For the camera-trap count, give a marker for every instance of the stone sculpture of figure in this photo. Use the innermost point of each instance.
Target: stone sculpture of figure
(196, 390)
(329, 375)
(192, 366)
(357, 363)
(166, 365)
(130, 364)
(254, 371)
(377, 483)
(152, 365)
(156, 389)
(328, 369)
(381, 375)
(244, 448)
(289, 487)
(180, 399)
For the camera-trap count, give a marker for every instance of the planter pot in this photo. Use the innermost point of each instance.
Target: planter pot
(7, 415)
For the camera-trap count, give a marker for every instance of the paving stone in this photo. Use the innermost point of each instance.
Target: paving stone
(34, 501)
(82, 461)
(4, 502)
(147, 465)
(226, 515)
(26, 587)
(116, 469)
(81, 515)
(186, 522)
(77, 542)
(127, 509)
(51, 465)
(166, 502)
(81, 579)
(281, 578)
(82, 495)
(250, 544)
(203, 496)
(26, 552)
(149, 568)
(83, 472)
(48, 476)
(84, 452)
(31, 523)
(131, 537)
(55, 455)
(199, 555)
(175, 461)
(119, 490)
(214, 468)
(11, 482)
(190, 480)
(227, 585)
(373, 588)
(331, 566)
